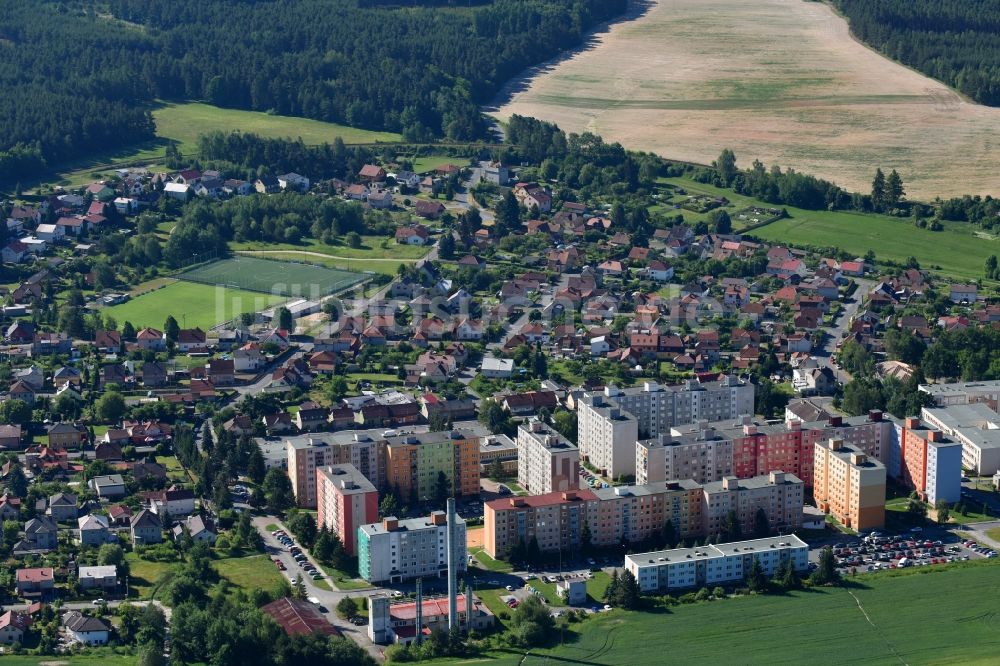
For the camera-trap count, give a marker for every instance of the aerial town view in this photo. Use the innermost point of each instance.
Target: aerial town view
(499, 332)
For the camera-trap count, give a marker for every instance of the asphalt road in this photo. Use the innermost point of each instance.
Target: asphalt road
(328, 599)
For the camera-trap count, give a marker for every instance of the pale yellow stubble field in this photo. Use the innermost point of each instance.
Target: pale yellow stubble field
(778, 80)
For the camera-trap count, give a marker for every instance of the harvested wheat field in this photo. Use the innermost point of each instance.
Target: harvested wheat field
(777, 80)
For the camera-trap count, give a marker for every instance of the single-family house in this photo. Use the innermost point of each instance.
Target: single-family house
(429, 210)
(108, 487)
(174, 501)
(963, 293)
(93, 530)
(62, 507)
(151, 339)
(104, 577)
(178, 191)
(199, 529)
(21, 391)
(293, 181)
(85, 629)
(67, 435)
(191, 339)
(36, 582)
(496, 368)
(13, 624)
(154, 374)
(311, 417)
(372, 173)
(221, 372)
(413, 235)
(41, 533)
(146, 528)
(10, 437)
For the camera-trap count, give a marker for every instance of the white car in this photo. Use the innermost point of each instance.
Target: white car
(97, 602)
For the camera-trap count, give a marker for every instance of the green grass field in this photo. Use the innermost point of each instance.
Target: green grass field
(269, 276)
(192, 304)
(94, 657)
(145, 577)
(921, 616)
(956, 250)
(386, 266)
(431, 162)
(181, 124)
(250, 573)
(372, 247)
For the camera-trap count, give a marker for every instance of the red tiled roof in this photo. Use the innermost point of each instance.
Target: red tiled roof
(34, 575)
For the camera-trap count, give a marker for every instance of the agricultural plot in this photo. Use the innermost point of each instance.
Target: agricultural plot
(278, 278)
(191, 304)
(956, 251)
(777, 80)
(181, 124)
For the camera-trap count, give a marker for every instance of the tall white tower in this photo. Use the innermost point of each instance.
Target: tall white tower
(452, 565)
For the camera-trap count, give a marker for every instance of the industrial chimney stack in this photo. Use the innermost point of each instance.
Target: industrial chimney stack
(452, 565)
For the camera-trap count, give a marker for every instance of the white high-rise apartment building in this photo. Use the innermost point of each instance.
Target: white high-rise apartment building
(612, 421)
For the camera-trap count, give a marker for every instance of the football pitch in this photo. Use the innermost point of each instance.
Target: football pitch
(278, 278)
(191, 304)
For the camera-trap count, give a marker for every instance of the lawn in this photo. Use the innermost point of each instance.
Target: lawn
(386, 266)
(175, 470)
(94, 657)
(956, 251)
(871, 622)
(191, 304)
(251, 573)
(431, 162)
(343, 580)
(146, 578)
(371, 248)
(488, 562)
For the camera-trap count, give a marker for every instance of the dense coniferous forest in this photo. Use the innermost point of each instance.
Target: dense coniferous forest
(78, 76)
(957, 42)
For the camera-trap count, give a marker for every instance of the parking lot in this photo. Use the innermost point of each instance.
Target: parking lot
(290, 558)
(591, 480)
(877, 552)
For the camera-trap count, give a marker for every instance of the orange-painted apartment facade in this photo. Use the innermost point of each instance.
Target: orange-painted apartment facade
(931, 462)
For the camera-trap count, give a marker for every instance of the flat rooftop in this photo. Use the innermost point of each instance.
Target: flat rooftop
(647, 489)
(347, 479)
(961, 387)
(762, 481)
(717, 550)
(407, 525)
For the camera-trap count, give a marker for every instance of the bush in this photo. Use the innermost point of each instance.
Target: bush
(719, 593)
(347, 608)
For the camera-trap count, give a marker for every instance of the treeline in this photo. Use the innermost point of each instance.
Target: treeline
(69, 84)
(205, 228)
(76, 79)
(580, 161)
(250, 151)
(955, 42)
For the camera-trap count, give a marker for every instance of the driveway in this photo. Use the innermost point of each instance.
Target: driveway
(978, 532)
(327, 598)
